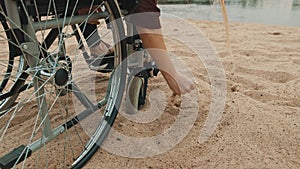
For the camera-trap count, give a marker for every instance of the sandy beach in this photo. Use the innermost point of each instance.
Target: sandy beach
(254, 123)
(260, 122)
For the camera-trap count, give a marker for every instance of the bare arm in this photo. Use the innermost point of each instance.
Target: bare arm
(153, 41)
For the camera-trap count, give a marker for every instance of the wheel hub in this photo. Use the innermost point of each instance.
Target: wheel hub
(61, 77)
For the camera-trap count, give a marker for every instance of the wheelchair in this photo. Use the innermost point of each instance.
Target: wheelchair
(48, 89)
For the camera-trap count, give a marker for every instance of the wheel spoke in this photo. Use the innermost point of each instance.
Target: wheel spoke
(51, 93)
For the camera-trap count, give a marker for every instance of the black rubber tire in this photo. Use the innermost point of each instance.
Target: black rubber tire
(109, 120)
(65, 119)
(10, 83)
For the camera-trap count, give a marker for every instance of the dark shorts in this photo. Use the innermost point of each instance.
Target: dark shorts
(146, 15)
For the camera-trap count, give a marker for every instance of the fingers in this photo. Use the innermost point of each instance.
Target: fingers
(179, 84)
(183, 87)
(188, 89)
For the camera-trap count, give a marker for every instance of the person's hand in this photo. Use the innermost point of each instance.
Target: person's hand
(179, 83)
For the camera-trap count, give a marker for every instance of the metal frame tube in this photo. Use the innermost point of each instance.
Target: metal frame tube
(60, 22)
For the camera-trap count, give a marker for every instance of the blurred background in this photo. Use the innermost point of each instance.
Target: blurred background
(273, 12)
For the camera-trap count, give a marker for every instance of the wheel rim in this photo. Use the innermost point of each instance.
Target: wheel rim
(60, 100)
(10, 68)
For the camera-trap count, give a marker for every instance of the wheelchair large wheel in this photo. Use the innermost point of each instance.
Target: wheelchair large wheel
(11, 66)
(61, 110)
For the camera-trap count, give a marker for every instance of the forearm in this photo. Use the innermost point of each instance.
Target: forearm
(153, 41)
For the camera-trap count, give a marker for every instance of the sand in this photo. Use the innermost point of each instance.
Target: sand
(259, 126)
(256, 119)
